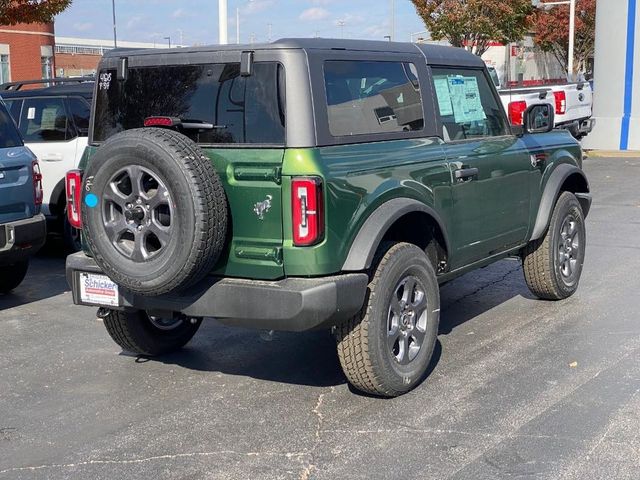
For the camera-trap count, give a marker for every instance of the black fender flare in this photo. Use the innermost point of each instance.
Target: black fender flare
(552, 192)
(376, 226)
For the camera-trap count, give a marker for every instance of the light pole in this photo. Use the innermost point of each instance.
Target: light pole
(341, 25)
(393, 20)
(168, 38)
(572, 29)
(115, 35)
(238, 23)
(223, 38)
(181, 37)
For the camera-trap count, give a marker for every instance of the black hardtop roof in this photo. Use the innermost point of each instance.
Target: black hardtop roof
(434, 54)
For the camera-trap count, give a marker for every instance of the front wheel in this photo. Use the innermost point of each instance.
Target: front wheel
(552, 265)
(140, 333)
(386, 349)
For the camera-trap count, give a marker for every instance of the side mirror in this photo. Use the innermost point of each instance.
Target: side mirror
(539, 118)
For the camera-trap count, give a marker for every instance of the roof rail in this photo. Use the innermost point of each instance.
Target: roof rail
(15, 86)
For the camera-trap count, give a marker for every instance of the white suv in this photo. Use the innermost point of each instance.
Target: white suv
(54, 122)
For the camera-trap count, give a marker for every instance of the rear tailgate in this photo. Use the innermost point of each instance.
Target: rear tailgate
(17, 199)
(530, 96)
(252, 182)
(16, 184)
(238, 121)
(579, 102)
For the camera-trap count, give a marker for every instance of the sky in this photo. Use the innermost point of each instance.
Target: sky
(197, 20)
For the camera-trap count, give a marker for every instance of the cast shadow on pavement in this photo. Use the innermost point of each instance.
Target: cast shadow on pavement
(310, 358)
(45, 278)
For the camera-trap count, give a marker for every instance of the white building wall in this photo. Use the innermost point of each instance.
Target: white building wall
(610, 77)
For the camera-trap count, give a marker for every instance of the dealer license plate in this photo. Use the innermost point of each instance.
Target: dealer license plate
(96, 289)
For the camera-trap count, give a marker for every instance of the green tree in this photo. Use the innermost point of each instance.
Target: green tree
(474, 24)
(552, 33)
(30, 11)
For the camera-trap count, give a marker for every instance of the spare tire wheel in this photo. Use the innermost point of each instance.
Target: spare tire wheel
(155, 212)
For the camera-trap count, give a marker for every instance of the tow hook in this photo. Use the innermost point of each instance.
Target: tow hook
(103, 313)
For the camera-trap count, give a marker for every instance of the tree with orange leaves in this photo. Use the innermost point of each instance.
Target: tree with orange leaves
(30, 11)
(475, 24)
(552, 32)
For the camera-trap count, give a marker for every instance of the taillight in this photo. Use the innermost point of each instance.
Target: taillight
(516, 112)
(73, 185)
(307, 206)
(38, 193)
(561, 102)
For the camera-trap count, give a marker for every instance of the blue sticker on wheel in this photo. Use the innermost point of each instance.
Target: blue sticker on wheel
(91, 200)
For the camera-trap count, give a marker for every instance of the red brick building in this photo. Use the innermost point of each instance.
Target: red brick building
(26, 51)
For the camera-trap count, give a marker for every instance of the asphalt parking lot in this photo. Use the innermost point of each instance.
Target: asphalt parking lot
(519, 388)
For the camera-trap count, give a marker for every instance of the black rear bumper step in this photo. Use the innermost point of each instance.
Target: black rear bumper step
(291, 304)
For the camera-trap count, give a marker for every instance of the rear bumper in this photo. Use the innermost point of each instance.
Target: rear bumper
(21, 239)
(292, 304)
(579, 127)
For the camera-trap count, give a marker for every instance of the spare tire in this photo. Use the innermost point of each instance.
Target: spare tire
(154, 212)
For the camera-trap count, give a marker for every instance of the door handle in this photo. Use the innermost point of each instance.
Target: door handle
(465, 173)
(52, 157)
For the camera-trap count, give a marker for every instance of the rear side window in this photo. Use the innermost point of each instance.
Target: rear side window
(366, 97)
(44, 120)
(467, 106)
(242, 110)
(9, 136)
(80, 112)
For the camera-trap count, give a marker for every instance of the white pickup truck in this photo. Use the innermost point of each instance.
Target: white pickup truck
(573, 103)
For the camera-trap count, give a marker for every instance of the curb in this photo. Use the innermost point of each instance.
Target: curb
(612, 153)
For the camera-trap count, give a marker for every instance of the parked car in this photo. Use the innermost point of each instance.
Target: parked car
(517, 101)
(312, 184)
(54, 122)
(573, 103)
(574, 108)
(22, 226)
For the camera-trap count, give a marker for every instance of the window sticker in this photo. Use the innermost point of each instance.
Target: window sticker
(48, 119)
(31, 113)
(444, 99)
(465, 99)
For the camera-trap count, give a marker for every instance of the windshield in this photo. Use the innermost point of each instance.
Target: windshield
(240, 110)
(9, 136)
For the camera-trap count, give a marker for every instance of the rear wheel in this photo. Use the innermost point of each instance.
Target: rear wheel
(138, 332)
(386, 349)
(552, 265)
(12, 275)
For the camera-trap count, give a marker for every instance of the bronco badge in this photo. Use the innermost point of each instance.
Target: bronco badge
(263, 207)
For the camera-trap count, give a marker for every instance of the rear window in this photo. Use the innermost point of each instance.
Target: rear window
(242, 110)
(9, 136)
(372, 97)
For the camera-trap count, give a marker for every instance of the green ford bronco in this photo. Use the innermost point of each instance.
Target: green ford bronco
(314, 184)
